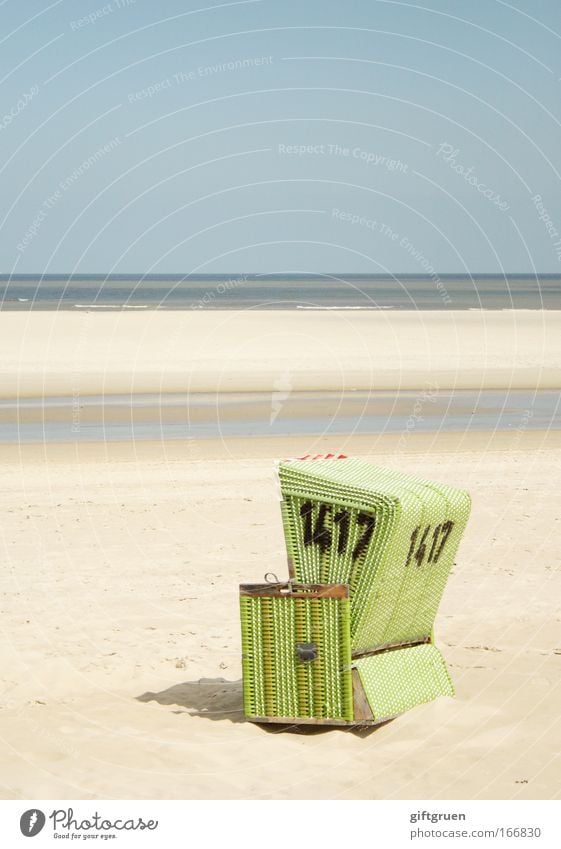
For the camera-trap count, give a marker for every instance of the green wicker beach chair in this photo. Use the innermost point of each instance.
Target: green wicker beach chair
(349, 638)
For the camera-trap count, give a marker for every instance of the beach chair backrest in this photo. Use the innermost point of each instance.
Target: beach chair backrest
(391, 537)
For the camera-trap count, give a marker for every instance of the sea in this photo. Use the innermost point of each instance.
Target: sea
(240, 291)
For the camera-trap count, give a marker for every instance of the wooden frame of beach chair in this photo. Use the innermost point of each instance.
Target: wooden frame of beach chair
(299, 668)
(348, 640)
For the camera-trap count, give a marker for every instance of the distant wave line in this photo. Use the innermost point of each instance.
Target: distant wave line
(107, 306)
(302, 307)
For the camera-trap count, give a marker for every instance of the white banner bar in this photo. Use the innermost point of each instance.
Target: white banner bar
(282, 824)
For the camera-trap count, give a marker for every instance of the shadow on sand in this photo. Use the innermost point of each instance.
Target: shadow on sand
(218, 699)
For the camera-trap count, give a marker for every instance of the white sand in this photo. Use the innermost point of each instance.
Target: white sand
(119, 578)
(91, 353)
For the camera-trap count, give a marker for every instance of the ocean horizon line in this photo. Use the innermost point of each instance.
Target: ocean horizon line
(335, 275)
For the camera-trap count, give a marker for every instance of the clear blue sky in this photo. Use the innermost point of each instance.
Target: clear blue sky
(266, 136)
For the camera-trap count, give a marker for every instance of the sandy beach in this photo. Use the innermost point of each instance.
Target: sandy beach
(66, 353)
(121, 673)
(121, 647)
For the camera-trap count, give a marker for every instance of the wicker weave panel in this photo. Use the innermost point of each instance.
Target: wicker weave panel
(398, 578)
(276, 682)
(396, 681)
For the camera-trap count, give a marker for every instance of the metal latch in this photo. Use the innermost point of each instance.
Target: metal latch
(307, 651)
